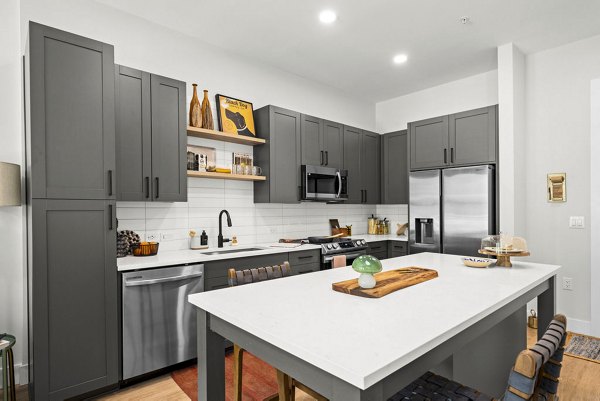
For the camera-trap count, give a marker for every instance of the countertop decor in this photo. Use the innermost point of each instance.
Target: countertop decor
(387, 282)
(366, 265)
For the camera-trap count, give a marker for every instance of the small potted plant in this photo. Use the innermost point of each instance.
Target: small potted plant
(367, 265)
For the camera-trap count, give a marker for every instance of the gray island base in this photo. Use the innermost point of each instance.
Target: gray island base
(472, 334)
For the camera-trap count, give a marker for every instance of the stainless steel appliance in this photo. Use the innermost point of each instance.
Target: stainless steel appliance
(324, 184)
(451, 210)
(352, 248)
(159, 325)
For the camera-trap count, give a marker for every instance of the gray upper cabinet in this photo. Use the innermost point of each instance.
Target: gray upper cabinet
(370, 167)
(280, 157)
(352, 156)
(169, 139)
(332, 144)
(151, 137)
(73, 319)
(322, 142)
(473, 136)
(459, 139)
(395, 168)
(311, 132)
(133, 133)
(70, 113)
(429, 143)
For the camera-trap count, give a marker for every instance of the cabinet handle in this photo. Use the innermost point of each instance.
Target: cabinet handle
(157, 193)
(362, 196)
(327, 158)
(147, 187)
(451, 155)
(445, 155)
(110, 217)
(366, 192)
(110, 183)
(322, 158)
(305, 257)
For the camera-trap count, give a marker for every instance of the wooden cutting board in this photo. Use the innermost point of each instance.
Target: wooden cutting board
(387, 282)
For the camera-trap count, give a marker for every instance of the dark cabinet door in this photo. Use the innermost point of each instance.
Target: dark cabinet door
(73, 297)
(311, 131)
(370, 167)
(332, 144)
(429, 143)
(352, 146)
(71, 113)
(473, 136)
(133, 134)
(285, 155)
(395, 168)
(169, 140)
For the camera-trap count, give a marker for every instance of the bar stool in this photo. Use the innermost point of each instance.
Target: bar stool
(8, 367)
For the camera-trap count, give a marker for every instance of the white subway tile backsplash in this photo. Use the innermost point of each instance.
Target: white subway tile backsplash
(252, 223)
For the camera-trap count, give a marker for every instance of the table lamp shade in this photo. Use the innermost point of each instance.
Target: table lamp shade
(10, 184)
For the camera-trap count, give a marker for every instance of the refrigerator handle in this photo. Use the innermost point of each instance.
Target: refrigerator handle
(451, 155)
(445, 155)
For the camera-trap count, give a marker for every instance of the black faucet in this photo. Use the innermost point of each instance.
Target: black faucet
(221, 239)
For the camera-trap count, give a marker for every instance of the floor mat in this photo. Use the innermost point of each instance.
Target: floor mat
(259, 379)
(584, 347)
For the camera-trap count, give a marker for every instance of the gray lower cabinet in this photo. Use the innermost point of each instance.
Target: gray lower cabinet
(379, 249)
(73, 316)
(151, 137)
(394, 168)
(70, 113)
(397, 249)
(362, 160)
(370, 167)
(169, 139)
(280, 157)
(460, 139)
(473, 136)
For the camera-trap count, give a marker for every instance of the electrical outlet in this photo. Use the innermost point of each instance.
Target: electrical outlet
(567, 283)
(153, 236)
(167, 236)
(576, 222)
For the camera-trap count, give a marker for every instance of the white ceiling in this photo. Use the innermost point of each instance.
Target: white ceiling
(355, 53)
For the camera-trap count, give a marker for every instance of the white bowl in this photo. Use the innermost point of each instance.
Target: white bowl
(477, 262)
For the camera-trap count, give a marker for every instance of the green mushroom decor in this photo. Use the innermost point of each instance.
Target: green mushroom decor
(367, 265)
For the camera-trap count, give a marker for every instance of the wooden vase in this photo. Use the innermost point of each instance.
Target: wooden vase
(195, 110)
(207, 117)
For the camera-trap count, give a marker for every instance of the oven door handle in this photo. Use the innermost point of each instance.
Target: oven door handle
(348, 256)
(339, 177)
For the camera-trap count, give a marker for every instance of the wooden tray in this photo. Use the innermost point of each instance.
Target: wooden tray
(387, 282)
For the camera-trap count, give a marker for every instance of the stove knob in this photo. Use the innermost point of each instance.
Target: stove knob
(329, 246)
(363, 242)
(335, 246)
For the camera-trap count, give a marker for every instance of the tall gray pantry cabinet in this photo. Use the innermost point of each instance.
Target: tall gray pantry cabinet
(72, 275)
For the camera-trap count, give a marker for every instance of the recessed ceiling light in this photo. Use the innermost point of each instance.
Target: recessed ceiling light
(327, 16)
(400, 58)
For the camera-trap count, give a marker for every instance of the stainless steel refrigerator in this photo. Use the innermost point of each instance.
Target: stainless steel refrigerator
(451, 210)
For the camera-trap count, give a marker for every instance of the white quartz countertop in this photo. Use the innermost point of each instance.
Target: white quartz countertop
(363, 340)
(186, 256)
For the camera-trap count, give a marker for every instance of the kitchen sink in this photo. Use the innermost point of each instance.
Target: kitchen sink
(226, 251)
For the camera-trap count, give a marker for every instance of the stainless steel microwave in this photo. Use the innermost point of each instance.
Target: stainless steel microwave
(324, 184)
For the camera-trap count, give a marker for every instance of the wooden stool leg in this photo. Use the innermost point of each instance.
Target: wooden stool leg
(283, 382)
(238, 361)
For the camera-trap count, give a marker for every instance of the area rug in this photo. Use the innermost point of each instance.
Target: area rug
(584, 347)
(259, 379)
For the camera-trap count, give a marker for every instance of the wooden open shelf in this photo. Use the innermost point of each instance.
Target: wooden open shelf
(226, 176)
(223, 136)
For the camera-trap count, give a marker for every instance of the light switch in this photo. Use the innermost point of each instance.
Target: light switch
(576, 222)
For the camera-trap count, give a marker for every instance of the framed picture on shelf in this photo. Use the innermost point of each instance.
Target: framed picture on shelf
(235, 116)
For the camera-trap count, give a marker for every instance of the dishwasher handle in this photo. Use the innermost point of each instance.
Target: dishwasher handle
(131, 283)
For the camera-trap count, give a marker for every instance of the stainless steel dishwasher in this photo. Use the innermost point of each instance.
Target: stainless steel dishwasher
(159, 325)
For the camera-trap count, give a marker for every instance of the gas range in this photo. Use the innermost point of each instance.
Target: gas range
(343, 246)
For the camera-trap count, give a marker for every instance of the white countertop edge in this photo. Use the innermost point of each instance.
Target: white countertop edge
(187, 256)
(355, 378)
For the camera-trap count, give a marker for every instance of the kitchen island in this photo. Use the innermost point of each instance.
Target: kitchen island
(467, 324)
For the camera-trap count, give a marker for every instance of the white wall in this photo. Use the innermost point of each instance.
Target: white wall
(595, 207)
(464, 94)
(143, 45)
(12, 272)
(557, 140)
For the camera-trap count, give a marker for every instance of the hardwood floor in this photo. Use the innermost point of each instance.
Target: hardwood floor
(580, 381)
